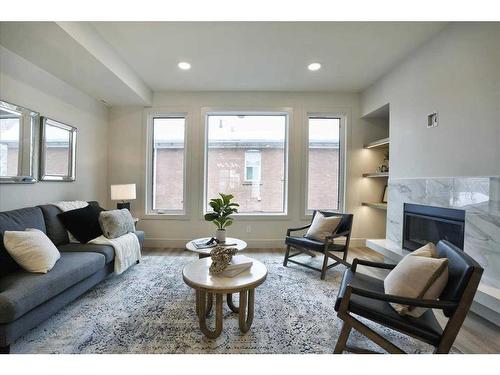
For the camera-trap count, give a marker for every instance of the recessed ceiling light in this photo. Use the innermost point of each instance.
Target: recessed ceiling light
(314, 66)
(184, 65)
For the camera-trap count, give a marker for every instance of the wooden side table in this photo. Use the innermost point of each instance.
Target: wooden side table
(198, 277)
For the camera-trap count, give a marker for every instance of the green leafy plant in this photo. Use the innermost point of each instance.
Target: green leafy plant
(222, 209)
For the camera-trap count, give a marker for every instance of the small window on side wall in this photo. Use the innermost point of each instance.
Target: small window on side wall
(168, 164)
(58, 151)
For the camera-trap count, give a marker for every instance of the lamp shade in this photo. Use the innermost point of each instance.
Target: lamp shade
(122, 192)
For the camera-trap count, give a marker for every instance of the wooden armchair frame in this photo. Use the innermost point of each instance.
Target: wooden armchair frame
(328, 247)
(459, 312)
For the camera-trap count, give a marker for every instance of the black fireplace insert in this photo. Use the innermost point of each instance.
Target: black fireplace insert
(424, 224)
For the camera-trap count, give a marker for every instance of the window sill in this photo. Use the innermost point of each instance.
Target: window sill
(165, 216)
(261, 217)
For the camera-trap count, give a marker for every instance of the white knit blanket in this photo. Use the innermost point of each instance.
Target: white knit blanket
(127, 248)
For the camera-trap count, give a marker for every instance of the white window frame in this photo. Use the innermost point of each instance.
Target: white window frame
(253, 180)
(287, 112)
(150, 165)
(343, 117)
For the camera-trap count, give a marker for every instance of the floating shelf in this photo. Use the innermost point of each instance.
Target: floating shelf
(379, 206)
(384, 142)
(373, 175)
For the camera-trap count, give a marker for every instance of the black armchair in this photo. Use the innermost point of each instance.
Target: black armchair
(307, 246)
(363, 295)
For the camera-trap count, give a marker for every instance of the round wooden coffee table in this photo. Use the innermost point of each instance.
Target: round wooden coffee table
(197, 276)
(203, 253)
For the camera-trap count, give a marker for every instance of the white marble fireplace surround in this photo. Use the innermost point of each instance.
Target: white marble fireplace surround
(479, 197)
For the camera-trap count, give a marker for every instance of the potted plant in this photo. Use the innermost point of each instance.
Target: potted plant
(222, 209)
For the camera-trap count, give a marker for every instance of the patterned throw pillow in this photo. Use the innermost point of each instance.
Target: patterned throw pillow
(116, 223)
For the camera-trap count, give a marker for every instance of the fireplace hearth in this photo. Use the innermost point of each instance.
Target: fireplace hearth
(423, 224)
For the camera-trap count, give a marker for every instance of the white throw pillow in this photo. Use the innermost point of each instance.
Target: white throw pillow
(428, 251)
(322, 226)
(31, 249)
(418, 275)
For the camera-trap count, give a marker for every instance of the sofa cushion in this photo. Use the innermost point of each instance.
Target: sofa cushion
(22, 291)
(55, 228)
(106, 250)
(30, 217)
(83, 223)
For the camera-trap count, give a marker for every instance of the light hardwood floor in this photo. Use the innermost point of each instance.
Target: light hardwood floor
(476, 336)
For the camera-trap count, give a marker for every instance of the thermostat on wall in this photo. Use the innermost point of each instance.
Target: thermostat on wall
(432, 120)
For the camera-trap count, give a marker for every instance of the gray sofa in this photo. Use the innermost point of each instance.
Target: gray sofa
(27, 299)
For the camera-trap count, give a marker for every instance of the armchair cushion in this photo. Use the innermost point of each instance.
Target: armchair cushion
(305, 242)
(418, 275)
(322, 226)
(425, 327)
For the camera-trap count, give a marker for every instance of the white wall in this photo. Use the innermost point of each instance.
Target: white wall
(24, 84)
(456, 74)
(127, 163)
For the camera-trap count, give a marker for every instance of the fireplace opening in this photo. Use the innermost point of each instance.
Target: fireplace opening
(424, 224)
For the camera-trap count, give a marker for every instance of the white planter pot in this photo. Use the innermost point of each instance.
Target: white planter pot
(220, 235)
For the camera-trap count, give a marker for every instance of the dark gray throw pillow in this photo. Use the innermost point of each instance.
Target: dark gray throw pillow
(116, 223)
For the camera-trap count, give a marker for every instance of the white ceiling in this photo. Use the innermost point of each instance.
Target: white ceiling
(123, 63)
(48, 46)
(264, 55)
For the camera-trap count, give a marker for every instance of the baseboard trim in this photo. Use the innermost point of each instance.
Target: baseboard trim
(180, 243)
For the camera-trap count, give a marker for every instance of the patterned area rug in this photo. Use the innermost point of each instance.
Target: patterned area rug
(149, 309)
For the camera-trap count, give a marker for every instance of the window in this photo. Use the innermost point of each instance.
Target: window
(252, 166)
(168, 144)
(324, 164)
(10, 134)
(58, 151)
(246, 157)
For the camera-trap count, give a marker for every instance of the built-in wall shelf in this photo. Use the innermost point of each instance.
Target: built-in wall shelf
(384, 142)
(376, 154)
(377, 205)
(376, 174)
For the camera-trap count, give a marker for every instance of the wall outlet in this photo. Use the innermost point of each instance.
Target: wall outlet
(432, 120)
(249, 229)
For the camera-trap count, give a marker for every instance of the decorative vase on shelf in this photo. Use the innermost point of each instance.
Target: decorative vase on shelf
(220, 235)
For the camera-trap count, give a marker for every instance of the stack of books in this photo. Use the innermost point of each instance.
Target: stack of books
(239, 264)
(205, 243)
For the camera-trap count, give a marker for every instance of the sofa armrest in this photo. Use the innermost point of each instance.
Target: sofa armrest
(140, 237)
